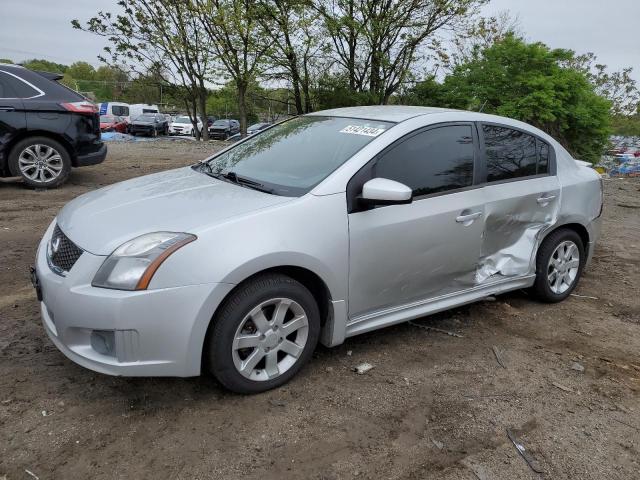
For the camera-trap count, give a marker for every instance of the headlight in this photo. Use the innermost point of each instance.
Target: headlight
(132, 265)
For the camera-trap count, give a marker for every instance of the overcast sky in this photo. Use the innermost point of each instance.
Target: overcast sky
(609, 28)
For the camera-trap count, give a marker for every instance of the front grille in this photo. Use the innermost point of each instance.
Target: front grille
(63, 253)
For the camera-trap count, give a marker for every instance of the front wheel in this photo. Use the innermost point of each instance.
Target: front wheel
(263, 334)
(559, 265)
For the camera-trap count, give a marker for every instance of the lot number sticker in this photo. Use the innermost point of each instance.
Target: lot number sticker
(358, 130)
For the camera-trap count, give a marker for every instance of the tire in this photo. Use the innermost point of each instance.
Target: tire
(557, 274)
(50, 159)
(264, 295)
(154, 132)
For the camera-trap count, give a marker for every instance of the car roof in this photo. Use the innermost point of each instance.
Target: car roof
(384, 113)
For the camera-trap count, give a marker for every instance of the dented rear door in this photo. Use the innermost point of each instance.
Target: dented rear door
(522, 198)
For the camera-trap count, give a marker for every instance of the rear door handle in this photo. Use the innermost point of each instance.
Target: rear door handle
(468, 218)
(546, 200)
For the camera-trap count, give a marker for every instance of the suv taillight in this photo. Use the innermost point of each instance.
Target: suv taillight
(81, 107)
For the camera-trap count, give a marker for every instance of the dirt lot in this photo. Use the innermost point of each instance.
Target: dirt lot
(434, 406)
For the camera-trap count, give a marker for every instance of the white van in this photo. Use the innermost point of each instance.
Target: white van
(115, 109)
(137, 109)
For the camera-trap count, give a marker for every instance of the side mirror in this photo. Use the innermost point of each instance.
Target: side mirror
(382, 191)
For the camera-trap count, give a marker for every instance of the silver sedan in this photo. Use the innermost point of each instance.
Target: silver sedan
(317, 229)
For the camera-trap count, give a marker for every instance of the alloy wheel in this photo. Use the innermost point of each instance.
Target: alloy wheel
(270, 339)
(563, 267)
(40, 163)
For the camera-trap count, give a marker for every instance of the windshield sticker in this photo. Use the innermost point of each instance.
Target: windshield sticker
(358, 130)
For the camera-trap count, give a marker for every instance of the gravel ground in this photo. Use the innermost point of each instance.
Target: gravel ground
(433, 406)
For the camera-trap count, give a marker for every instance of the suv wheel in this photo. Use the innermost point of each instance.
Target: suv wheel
(558, 265)
(40, 161)
(263, 335)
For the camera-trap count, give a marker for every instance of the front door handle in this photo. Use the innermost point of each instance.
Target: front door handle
(544, 201)
(468, 218)
(6, 109)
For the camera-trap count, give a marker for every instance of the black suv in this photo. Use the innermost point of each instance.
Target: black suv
(45, 128)
(223, 129)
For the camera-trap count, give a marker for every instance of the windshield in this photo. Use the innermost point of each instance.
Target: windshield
(145, 118)
(182, 120)
(293, 157)
(221, 123)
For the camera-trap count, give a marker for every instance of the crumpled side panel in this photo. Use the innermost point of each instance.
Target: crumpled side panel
(514, 224)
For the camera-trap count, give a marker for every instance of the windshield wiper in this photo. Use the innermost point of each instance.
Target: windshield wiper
(246, 182)
(234, 178)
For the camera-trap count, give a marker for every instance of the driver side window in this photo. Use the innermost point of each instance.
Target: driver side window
(432, 161)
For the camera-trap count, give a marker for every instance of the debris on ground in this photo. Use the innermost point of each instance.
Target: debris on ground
(439, 445)
(498, 356)
(434, 329)
(562, 387)
(362, 368)
(578, 367)
(31, 474)
(532, 462)
(584, 296)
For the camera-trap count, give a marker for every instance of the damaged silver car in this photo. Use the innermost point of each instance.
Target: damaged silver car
(320, 228)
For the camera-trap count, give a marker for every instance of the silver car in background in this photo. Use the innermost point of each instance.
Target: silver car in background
(320, 228)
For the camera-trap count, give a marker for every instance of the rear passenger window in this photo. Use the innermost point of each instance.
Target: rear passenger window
(509, 153)
(433, 161)
(15, 88)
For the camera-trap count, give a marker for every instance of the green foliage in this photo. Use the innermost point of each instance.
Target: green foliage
(333, 91)
(6, 60)
(81, 71)
(629, 126)
(44, 66)
(528, 82)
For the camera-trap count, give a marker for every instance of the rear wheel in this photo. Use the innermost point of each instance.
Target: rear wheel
(559, 265)
(40, 161)
(263, 334)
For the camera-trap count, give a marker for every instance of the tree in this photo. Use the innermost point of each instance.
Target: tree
(619, 87)
(238, 41)
(163, 36)
(532, 83)
(81, 71)
(44, 66)
(380, 41)
(294, 32)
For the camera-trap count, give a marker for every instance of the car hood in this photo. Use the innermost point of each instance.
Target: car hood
(181, 200)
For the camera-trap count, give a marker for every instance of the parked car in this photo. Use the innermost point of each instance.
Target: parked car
(151, 124)
(325, 226)
(182, 125)
(222, 129)
(110, 123)
(257, 127)
(45, 128)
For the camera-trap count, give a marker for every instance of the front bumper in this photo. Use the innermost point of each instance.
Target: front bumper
(150, 333)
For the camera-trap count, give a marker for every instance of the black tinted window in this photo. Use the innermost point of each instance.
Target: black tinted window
(543, 161)
(20, 88)
(120, 110)
(5, 89)
(509, 153)
(433, 161)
